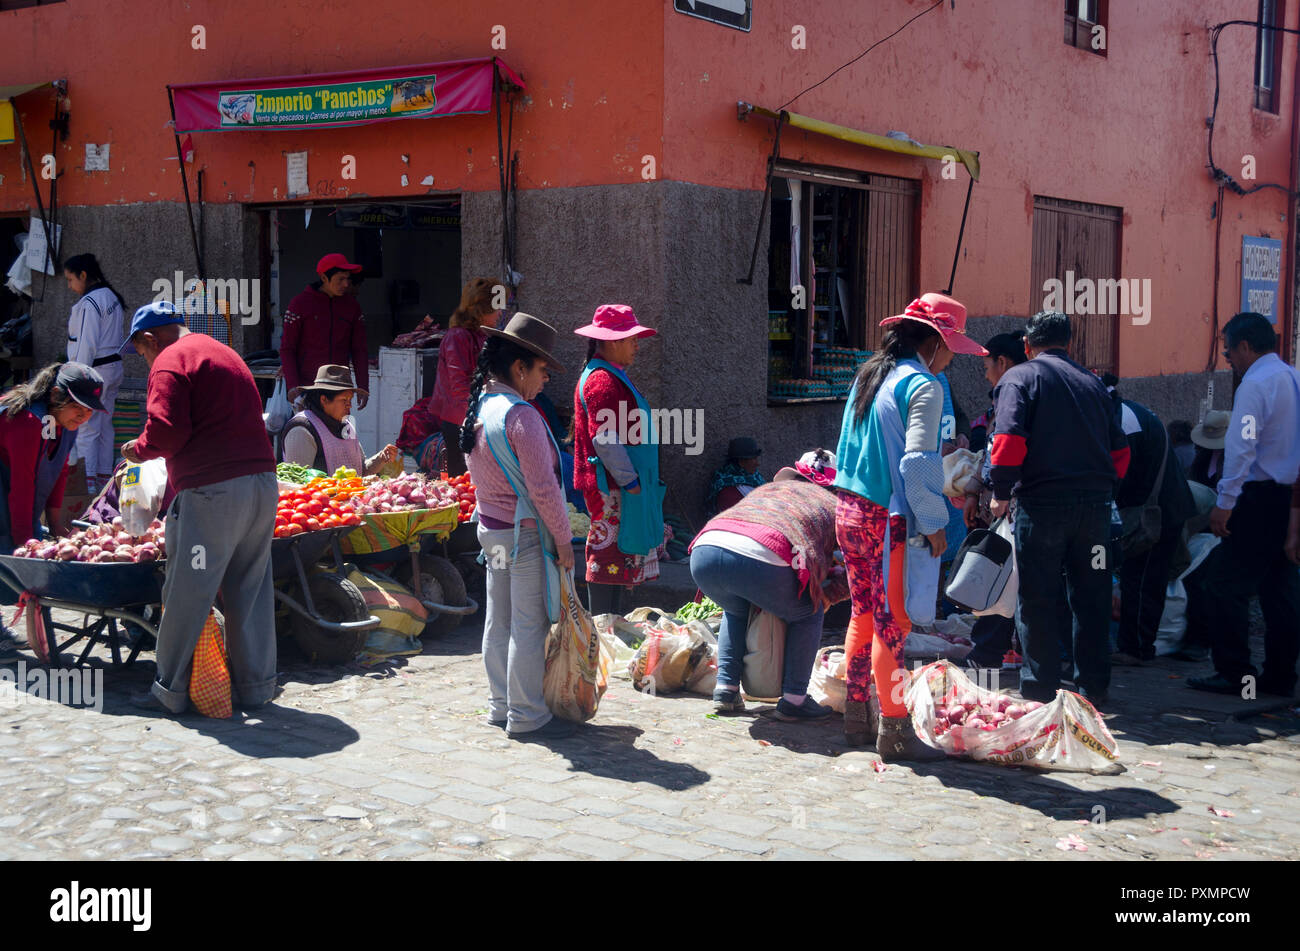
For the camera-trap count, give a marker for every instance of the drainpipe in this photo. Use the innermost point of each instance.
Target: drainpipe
(1288, 345)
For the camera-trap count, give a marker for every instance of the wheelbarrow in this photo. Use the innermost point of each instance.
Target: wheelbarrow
(110, 592)
(331, 624)
(398, 538)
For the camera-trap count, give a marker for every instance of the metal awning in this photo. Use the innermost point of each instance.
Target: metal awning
(903, 145)
(329, 100)
(970, 159)
(7, 115)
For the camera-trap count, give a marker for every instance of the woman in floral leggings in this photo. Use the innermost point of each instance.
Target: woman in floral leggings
(890, 483)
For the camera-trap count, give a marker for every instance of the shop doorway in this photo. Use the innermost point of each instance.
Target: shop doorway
(409, 251)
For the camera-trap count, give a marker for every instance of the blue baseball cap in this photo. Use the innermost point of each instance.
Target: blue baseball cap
(158, 314)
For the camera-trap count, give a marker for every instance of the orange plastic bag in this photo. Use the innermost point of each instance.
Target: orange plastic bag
(210, 674)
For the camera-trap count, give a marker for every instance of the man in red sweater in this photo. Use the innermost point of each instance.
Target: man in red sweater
(323, 325)
(205, 419)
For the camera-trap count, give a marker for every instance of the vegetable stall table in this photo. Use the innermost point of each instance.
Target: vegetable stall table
(397, 538)
(108, 592)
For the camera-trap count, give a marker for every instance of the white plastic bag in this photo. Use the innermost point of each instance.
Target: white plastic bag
(143, 488)
(278, 409)
(764, 656)
(1005, 605)
(828, 685)
(1067, 733)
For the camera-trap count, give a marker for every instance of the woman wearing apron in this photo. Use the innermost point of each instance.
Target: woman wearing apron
(324, 435)
(523, 522)
(96, 333)
(616, 461)
(38, 422)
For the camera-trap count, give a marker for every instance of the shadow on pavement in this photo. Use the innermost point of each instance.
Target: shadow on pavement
(610, 752)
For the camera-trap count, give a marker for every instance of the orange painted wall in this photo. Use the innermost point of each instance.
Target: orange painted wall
(995, 75)
(610, 82)
(593, 72)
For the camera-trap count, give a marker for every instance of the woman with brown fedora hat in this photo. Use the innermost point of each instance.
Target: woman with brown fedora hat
(523, 520)
(324, 435)
(616, 461)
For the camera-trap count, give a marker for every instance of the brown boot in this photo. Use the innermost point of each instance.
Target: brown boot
(897, 740)
(861, 721)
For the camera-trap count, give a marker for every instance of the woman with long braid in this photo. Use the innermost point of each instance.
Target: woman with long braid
(523, 520)
(890, 481)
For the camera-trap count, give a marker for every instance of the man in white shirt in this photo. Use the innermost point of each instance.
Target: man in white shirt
(1261, 463)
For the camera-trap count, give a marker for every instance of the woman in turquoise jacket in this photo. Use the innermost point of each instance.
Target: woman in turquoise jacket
(890, 482)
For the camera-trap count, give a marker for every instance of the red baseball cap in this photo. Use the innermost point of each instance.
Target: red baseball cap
(335, 260)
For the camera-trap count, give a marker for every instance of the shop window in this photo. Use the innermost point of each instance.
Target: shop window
(1268, 54)
(842, 256)
(1087, 24)
(1078, 245)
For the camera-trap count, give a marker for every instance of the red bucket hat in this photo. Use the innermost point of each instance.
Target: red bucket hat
(614, 322)
(946, 316)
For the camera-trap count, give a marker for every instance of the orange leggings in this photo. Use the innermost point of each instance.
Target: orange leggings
(860, 530)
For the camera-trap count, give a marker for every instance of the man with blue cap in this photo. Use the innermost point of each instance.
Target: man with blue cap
(205, 419)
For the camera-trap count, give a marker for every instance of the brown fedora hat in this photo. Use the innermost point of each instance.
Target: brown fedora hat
(334, 378)
(531, 333)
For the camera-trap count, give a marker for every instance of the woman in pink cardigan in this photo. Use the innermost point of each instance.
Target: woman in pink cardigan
(457, 358)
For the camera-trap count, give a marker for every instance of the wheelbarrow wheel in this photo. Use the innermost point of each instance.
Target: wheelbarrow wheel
(440, 582)
(336, 599)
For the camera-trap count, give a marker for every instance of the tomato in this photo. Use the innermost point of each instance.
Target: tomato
(314, 508)
(299, 519)
(293, 529)
(352, 519)
(319, 497)
(313, 525)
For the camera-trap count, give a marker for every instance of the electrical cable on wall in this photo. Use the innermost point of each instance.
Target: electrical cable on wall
(918, 16)
(1220, 176)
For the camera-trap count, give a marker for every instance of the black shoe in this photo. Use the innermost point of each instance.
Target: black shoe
(1215, 683)
(810, 709)
(727, 702)
(1194, 655)
(1096, 699)
(555, 729)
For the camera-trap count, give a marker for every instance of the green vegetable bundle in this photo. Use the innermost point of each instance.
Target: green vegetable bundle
(298, 475)
(698, 612)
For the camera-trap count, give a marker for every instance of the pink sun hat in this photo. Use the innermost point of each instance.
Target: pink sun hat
(946, 316)
(614, 322)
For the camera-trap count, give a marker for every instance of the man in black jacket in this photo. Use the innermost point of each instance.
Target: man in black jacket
(1059, 449)
(1144, 577)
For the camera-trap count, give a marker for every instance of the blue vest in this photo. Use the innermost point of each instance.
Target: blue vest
(641, 529)
(46, 475)
(492, 411)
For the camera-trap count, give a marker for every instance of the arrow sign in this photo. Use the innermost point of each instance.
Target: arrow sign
(736, 14)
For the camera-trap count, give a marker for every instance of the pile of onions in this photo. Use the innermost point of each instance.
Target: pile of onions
(970, 712)
(404, 493)
(99, 544)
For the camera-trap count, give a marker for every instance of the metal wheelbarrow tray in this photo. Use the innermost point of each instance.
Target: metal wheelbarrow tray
(103, 590)
(329, 640)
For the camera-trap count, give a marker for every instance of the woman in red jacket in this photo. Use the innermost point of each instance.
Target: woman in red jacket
(37, 425)
(457, 359)
(616, 461)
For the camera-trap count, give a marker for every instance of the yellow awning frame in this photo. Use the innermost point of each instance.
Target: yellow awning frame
(968, 157)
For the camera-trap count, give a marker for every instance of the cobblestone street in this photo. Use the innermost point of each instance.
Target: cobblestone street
(398, 762)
